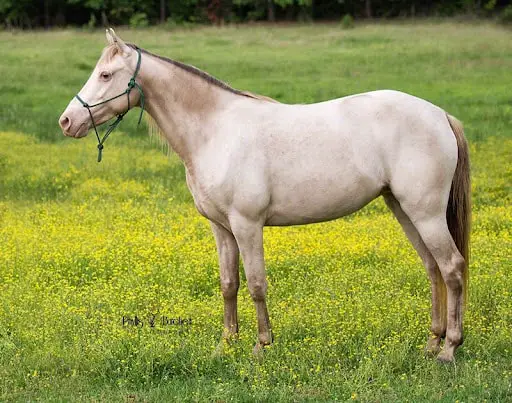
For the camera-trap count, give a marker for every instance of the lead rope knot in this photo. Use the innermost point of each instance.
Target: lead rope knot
(100, 151)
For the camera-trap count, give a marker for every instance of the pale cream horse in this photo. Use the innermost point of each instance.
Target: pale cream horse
(251, 162)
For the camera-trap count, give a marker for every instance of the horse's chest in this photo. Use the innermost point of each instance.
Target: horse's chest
(204, 198)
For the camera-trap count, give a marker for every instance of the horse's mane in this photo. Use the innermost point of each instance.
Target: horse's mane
(205, 76)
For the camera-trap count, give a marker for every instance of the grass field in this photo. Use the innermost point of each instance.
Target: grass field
(83, 245)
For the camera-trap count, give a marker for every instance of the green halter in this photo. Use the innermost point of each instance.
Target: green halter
(131, 84)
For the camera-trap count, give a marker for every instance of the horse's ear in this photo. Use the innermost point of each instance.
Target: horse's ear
(113, 39)
(110, 40)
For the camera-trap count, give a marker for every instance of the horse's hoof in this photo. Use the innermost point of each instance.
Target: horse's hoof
(222, 347)
(220, 350)
(259, 349)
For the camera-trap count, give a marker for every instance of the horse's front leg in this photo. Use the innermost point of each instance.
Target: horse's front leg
(249, 236)
(227, 250)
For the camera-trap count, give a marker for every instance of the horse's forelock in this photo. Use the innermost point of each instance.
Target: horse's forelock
(112, 50)
(108, 54)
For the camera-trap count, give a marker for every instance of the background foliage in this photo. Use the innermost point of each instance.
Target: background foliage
(29, 14)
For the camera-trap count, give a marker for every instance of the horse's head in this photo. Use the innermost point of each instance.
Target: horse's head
(111, 77)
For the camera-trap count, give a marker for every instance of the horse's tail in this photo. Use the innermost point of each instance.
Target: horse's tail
(458, 212)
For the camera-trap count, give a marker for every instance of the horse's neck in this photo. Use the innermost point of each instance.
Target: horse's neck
(182, 104)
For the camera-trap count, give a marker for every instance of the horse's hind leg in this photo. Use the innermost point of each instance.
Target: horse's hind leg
(438, 289)
(429, 217)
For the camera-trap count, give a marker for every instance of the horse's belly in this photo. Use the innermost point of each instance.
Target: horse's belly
(320, 201)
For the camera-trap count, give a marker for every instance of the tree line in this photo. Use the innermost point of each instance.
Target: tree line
(139, 13)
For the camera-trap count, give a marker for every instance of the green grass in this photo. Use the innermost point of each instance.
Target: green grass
(82, 244)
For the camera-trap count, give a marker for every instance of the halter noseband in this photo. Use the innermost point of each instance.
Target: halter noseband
(131, 84)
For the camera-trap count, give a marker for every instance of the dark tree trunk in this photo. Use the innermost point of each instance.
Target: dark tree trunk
(162, 11)
(368, 8)
(104, 19)
(46, 14)
(271, 10)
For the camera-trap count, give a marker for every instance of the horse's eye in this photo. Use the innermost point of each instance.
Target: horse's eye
(105, 75)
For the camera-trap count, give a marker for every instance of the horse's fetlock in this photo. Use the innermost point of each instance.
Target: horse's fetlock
(438, 330)
(266, 338)
(454, 338)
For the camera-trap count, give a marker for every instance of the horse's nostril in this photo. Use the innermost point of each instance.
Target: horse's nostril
(64, 123)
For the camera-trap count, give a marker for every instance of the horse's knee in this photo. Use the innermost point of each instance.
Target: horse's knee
(229, 288)
(257, 288)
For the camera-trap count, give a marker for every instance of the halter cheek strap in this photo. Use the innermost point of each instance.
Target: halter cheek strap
(131, 85)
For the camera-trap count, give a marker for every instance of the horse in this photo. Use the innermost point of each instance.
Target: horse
(251, 162)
